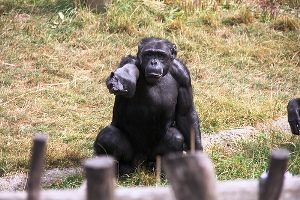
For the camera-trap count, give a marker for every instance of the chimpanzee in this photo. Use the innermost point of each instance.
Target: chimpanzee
(154, 109)
(293, 109)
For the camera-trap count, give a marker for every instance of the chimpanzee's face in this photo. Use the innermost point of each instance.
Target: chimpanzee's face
(156, 57)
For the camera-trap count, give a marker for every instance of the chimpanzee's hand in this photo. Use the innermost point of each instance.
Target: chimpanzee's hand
(115, 86)
(293, 109)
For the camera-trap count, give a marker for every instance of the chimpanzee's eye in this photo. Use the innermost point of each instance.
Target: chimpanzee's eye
(161, 56)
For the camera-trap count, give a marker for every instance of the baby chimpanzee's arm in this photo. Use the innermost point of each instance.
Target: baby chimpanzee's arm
(123, 80)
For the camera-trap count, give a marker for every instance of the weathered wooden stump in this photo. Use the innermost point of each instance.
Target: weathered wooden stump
(271, 186)
(191, 176)
(37, 162)
(100, 175)
(97, 5)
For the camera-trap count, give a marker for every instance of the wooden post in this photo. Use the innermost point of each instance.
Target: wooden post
(97, 5)
(158, 170)
(271, 186)
(193, 140)
(37, 161)
(191, 176)
(100, 174)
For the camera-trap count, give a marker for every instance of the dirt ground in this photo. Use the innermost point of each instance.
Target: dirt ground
(18, 182)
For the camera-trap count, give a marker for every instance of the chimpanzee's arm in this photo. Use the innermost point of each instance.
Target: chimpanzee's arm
(123, 80)
(187, 119)
(293, 110)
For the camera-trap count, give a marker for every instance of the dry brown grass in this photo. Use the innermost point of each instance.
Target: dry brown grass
(53, 69)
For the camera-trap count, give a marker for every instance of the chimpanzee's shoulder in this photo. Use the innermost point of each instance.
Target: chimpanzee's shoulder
(129, 59)
(180, 73)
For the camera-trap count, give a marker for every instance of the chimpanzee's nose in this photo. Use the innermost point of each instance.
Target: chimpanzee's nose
(153, 62)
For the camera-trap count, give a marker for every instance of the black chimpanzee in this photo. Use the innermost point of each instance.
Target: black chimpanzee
(293, 109)
(154, 109)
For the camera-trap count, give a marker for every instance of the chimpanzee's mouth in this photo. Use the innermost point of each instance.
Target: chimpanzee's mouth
(153, 78)
(153, 75)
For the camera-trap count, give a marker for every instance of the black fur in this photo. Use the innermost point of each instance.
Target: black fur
(154, 109)
(293, 110)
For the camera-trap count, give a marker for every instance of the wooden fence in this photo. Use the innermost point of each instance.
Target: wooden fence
(191, 176)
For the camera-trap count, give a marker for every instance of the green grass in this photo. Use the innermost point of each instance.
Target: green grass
(72, 181)
(249, 158)
(55, 57)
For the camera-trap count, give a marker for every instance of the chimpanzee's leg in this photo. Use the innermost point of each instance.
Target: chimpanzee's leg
(111, 141)
(172, 142)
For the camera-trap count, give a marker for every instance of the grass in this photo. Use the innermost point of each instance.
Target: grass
(55, 57)
(251, 157)
(72, 181)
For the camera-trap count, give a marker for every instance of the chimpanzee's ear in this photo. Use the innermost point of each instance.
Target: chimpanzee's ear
(139, 54)
(173, 51)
